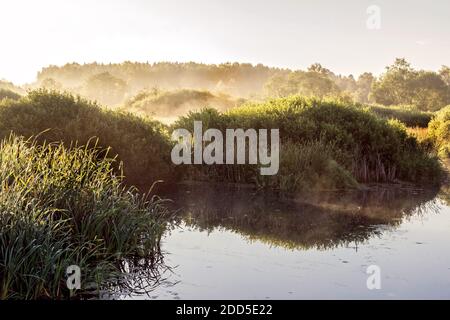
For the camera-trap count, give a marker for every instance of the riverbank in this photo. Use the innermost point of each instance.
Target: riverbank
(76, 193)
(325, 144)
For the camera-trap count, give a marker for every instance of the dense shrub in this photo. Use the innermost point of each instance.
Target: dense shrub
(439, 132)
(406, 114)
(371, 149)
(324, 143)
(62, 207)
(140, 143)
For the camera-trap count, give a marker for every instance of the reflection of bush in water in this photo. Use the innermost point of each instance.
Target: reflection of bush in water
(330, 220)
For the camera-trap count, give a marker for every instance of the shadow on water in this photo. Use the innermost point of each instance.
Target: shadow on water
(323, 221)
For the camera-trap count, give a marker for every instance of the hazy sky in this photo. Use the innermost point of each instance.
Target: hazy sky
(284, 33)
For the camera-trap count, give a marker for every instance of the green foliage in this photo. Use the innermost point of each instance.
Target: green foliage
(237, 79)
(329, 144)
(65, 206)
(369, 148)
(310, 166)
(410, 116)
(439, 132)
(112, 84)
(401, 84)
(140, 143)
(309, 83)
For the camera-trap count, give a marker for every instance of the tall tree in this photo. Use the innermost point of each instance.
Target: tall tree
(401, 84)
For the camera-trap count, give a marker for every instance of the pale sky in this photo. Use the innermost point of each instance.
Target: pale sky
(282, 33)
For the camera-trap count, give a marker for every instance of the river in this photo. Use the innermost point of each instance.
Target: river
(235, 243)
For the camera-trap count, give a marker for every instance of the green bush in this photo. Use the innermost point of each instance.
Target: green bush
(61, 207)
(140, 143)
(439, 132)
(406, 114)
(371, 149)
(351, 143)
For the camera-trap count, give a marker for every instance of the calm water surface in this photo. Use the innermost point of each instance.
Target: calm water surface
(236, 244)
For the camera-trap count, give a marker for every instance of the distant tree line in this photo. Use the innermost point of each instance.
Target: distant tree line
(113, 84)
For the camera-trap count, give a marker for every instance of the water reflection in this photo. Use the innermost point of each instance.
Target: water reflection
(235, 243)
(323, 221)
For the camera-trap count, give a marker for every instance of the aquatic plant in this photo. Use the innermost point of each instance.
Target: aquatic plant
(64, 206)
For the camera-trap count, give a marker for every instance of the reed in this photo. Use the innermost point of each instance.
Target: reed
(62, 206)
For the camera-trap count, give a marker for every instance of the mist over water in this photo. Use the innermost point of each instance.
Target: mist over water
(233, 244)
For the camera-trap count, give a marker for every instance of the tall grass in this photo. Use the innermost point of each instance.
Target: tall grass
(65, 206)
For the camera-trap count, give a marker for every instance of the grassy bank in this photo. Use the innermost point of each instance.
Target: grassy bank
(61, 207)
